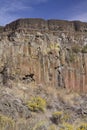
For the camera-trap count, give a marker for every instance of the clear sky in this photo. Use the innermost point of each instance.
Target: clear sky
(11, 10)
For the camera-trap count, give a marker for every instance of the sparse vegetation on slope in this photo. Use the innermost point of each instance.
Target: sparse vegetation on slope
(6, 123)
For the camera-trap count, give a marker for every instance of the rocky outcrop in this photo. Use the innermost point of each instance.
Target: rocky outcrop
(49, 25)
(13, 107)
(52, 53)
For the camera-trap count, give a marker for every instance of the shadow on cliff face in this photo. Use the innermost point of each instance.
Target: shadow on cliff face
(28, 77)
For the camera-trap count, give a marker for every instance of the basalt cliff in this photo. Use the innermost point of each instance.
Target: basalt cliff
(43, 66)
(52, 53)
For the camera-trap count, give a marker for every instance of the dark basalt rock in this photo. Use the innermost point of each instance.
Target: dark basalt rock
(50, 25)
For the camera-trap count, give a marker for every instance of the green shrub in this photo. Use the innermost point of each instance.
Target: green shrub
(72, 56)
(37, 104)
(57, 113)
(60, 117)
(6, 122)
(39, 126)
(52, 127)
(82, 127)
(76, 48)
(66, 126)
(66, 117)
(84, 49)
(57, 117)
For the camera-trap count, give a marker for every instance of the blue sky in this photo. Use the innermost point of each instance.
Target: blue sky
(11, 10)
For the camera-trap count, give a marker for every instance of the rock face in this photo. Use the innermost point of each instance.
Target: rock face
(52, 53)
